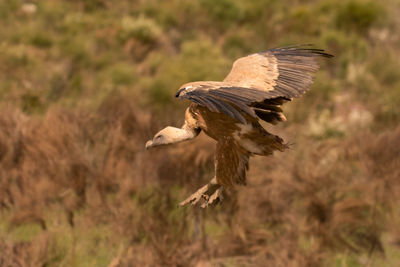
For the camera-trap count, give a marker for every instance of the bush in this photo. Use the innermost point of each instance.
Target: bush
(358, 15)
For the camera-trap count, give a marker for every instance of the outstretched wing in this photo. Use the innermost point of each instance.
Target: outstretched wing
(282, 72)
(231, 164)
(259, 83)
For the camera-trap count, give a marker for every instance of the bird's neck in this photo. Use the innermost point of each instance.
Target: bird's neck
(182, 134)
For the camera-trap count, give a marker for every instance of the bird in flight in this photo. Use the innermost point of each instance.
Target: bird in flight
(230, 112)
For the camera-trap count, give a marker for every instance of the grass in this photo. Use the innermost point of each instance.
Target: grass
(83, 85)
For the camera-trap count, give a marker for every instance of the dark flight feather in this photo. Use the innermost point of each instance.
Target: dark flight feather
(259, 83)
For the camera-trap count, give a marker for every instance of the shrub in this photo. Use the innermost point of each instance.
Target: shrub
(358, 15)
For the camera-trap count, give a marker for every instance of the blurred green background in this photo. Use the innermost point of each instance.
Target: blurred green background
(84, 83)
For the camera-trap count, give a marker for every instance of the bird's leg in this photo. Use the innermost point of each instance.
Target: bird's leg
(209, 193)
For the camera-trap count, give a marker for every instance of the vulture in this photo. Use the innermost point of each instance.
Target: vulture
(230, 111)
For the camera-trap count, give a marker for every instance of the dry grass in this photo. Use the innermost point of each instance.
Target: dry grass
(85, 83)
(321, 197)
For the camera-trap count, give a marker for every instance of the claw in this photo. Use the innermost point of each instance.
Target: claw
(215, 198)
(217, 195)
(210, 193)
(196, 197)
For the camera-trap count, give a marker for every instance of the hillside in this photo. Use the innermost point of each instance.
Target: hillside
(85, 83)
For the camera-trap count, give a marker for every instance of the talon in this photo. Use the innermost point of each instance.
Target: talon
(195, 197)
(210, 193)
(217, 195)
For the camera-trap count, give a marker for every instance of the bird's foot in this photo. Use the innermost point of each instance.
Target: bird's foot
(214, 198)
(208, 194)
(196, 197)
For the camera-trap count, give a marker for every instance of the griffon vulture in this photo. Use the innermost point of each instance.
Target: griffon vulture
(229, 112)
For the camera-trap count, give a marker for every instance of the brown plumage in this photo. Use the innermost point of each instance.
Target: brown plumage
(229, 112)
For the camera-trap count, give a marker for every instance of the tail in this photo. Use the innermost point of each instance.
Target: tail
(271, 143)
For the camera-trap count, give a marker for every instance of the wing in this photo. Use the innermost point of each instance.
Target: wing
(259, 83)
(231, 163)
(286, 72)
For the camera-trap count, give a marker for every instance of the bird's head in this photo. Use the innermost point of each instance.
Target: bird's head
(164, 137)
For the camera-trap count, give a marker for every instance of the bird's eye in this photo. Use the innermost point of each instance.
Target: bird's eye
(158, 137)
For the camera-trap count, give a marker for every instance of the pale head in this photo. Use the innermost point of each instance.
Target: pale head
(166, 136)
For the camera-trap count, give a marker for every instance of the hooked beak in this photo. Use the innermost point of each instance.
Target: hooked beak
(149, 144)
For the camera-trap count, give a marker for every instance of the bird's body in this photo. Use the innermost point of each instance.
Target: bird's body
(229, 112)
(236, 142)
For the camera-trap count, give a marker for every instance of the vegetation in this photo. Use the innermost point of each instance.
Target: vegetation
(84, 83)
